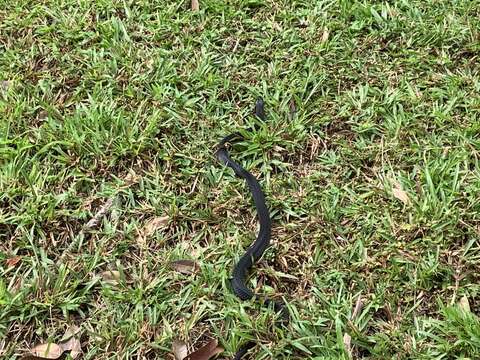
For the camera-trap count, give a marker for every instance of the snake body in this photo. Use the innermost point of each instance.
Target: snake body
(258, 247)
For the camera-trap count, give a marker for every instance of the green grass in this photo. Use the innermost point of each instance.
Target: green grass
(387, 94)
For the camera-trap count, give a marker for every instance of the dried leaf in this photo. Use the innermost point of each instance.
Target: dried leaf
(358, 307)
(185, 266)
(71, 331)
(47, 351)
(180, 350)
(71, 342)
(195, 5)
(67, 345)
(5, 85)
(111, 276)
(347, 342)
(325, 35)
(206, 352)
(73, 345)
(463, 304)
(13, 261)
(132, 178)
(399, 193)
(76, 350)
(153, 225)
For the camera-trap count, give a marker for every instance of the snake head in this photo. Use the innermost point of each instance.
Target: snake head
(222, 156)
(260, 109)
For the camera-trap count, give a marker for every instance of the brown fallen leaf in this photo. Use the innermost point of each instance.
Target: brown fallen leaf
(111, 276)
(195, 5)
(13, 261)
(180, 350)
(206, 352)
(72, 343)
(71, 331)
(325, 35)
(47, 351)
(399, 193)
(5, 85)
(358, 307)
(132, 178)
(347, 342)
(463, 304)
(186, 267)
(153, 225)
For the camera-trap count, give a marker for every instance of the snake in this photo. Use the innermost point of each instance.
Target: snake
(255, 251)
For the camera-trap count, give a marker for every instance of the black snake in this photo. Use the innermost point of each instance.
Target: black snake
(256, 250)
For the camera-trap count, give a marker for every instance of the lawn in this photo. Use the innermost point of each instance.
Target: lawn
(369, 159)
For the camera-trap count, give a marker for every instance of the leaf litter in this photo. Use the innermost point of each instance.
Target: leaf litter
(399, 193)
(186, 267)
(206, 352)
(180, 350)
(70, 343)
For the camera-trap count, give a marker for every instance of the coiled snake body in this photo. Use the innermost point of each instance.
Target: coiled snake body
(256, 250)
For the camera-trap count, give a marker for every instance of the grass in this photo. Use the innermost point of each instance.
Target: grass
(125, 100)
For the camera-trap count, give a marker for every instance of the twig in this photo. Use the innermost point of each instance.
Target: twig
(91, 224)
(95, 220)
